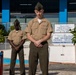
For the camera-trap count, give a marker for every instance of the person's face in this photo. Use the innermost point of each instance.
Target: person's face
(17, 27)
(39, 14)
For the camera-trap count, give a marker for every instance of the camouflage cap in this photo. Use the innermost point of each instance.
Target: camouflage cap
(38, 6)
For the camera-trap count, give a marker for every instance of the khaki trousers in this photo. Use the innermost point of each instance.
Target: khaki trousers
(41, 54)
(14, 53)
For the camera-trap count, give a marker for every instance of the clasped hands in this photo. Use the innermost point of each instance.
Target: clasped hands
(38, 43)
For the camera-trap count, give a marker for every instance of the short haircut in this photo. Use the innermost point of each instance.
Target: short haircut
(38, 6)
(16, 22)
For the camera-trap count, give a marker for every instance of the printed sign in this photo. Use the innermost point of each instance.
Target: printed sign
(62, 38)
(63, 27)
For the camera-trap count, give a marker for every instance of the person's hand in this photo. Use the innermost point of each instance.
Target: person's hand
(38, 43)
(16, 48)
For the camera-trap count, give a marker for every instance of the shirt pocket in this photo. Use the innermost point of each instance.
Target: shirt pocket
(44, 29)
(34, 29)
(13, 35)
(20, 35)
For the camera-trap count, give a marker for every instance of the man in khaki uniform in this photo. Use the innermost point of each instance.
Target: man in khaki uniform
(16, 39)
(38, 32)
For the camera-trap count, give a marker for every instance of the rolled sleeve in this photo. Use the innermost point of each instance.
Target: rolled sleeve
(50, 29)
(24, 35)
(10, 36)
(28, 28)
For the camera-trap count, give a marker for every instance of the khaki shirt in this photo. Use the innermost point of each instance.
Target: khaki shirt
(39, 30)
(16, 36)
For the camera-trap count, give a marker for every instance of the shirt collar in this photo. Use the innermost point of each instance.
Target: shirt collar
(16, 30)
(36, 20)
